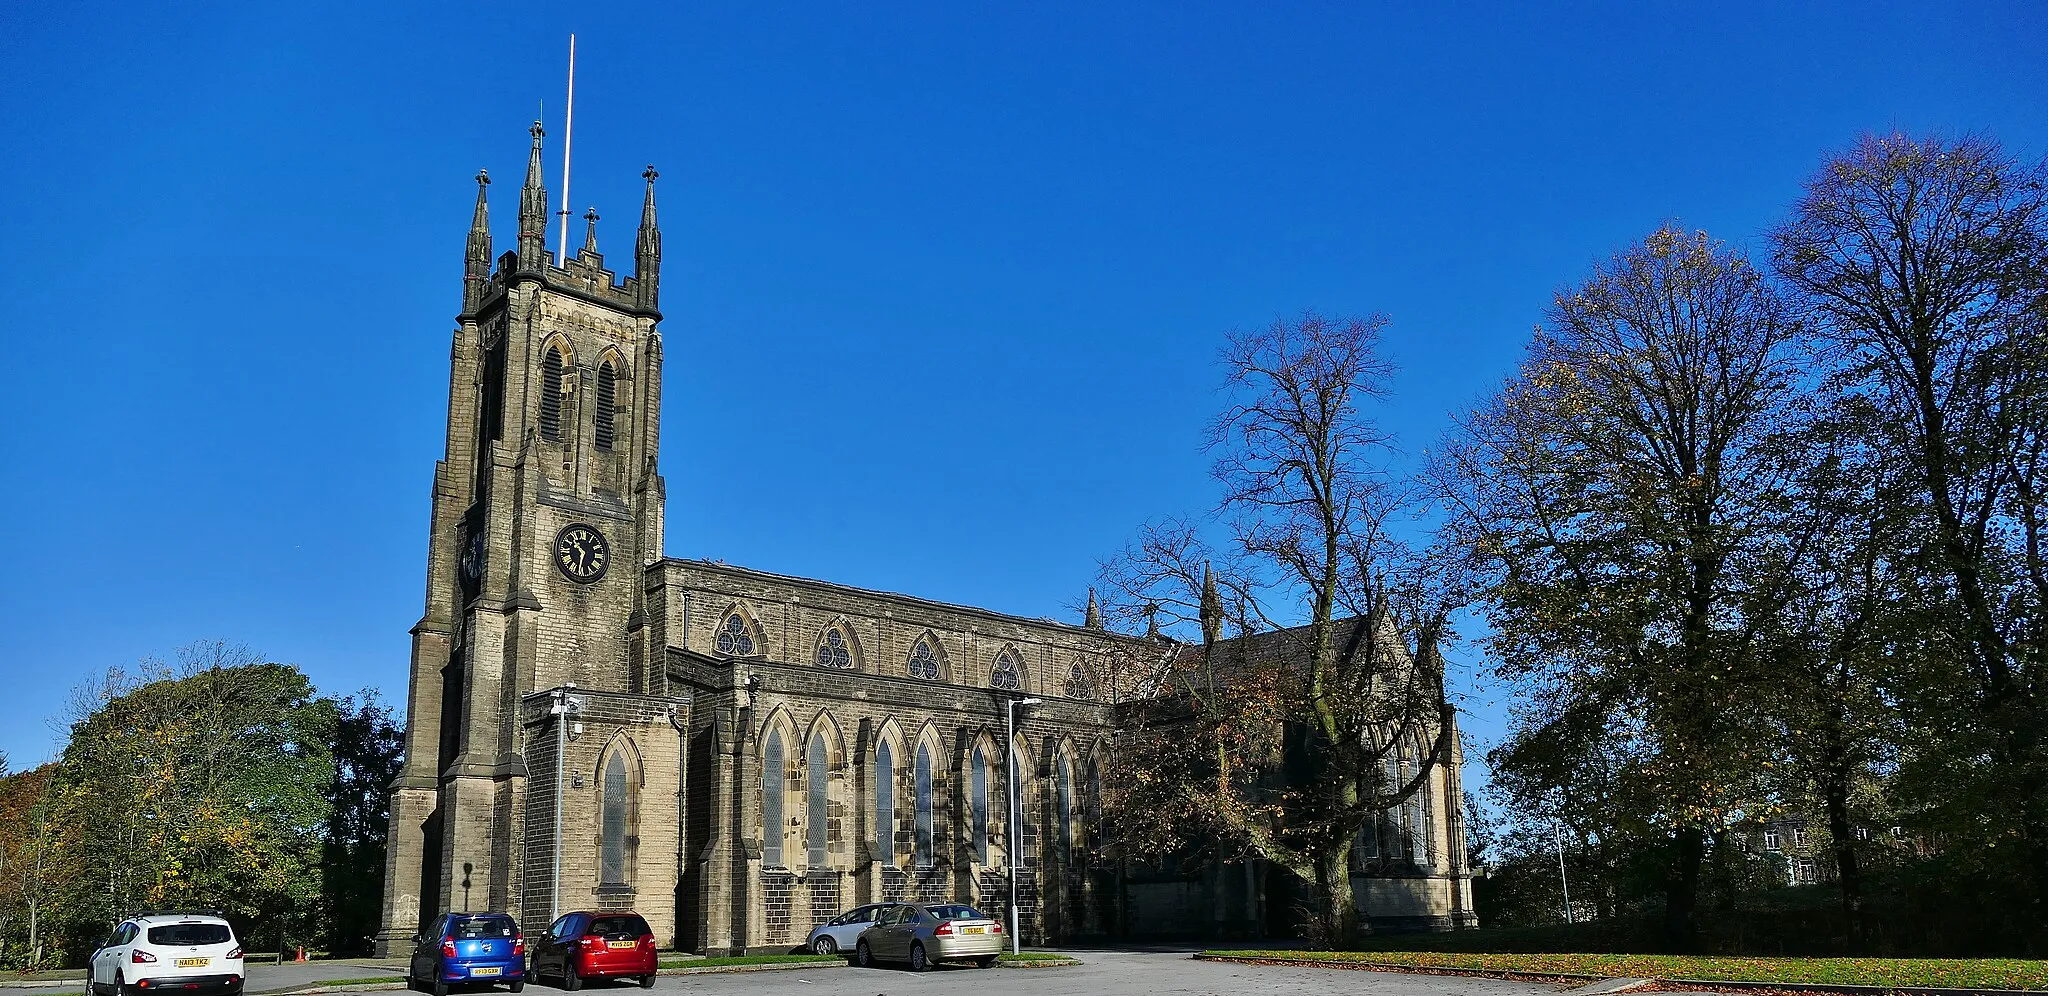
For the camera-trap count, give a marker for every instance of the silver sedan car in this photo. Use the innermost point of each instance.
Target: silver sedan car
(921, 935)
(839, 933)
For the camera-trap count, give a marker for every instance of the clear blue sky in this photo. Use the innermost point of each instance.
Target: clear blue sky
(942, 285)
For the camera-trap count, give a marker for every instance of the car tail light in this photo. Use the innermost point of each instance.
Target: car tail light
(519, 945)
(647, 940)
(140, 957)
(236, 953)
(995, 928)
(944, 929)
(448, 948)
(593, 942)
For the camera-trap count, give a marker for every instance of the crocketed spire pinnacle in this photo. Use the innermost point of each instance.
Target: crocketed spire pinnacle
(647, 248)
(533, 207)
(476, 257)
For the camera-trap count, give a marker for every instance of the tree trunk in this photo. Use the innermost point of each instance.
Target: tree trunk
(1682, 889)
(1340, 924)
(1849, 875)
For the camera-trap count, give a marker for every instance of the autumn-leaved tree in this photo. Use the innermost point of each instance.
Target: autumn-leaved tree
(1618, 495)
(1325, 705)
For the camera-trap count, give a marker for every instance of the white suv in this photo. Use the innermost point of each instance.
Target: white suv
(180, 953)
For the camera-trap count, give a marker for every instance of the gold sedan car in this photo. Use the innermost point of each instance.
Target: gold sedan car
(933, 932)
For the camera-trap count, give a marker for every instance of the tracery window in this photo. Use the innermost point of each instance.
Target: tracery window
(553, 384)
(924, 661)
(1080, 684)
(977, 804)
(820, 779)
(1007, 673)
(612, 853)
(885, 801)
(735, 637)
(1063, 800)
(771, 800)
(833, 651)
(923, 788)
(607, 396)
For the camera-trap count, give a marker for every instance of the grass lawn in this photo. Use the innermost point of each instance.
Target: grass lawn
(1958, 973)
(1036, 956)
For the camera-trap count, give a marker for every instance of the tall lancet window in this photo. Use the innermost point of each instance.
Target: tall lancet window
(612, 855)
(819, 783)
(923, 788)
(977, 804)
(885, 801)
(1063, 801)
(771, 800)
(607, 396)
(553, 384)
(1025, 834)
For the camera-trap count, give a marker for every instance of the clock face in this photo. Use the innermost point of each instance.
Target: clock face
(473, 560)
(581, 553)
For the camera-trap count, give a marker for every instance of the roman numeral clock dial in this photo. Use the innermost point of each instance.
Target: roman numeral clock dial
(581, 553)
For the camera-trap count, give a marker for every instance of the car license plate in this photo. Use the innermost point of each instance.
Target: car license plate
(191, 963)
(485, 971)
(625, 944)
(974, 930)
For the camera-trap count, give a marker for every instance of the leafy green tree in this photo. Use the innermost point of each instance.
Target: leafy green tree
(368, 751)
(1923, 260)
(1618, 496)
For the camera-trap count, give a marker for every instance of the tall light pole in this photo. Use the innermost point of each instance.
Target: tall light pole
(1558, 828)
(564, 705)
(1016, 808)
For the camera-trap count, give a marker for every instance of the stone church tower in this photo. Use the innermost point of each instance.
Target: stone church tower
(532, 660)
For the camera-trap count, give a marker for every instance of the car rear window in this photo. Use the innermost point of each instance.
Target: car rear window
(956, 912)
(478, 927)
(629, 926)
(190, 933)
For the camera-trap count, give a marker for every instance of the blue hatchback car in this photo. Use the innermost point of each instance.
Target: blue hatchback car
(468, 950)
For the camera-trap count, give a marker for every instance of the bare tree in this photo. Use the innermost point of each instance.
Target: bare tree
(1332, 669)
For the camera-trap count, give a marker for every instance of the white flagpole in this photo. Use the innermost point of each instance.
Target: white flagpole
(568, 131)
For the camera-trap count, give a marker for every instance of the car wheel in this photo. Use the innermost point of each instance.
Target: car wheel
(862, 956)
(647, 981)
(440, 988)
(517, 986)
(825, 945)
(570, 980)
(918, 961)
(988, 962)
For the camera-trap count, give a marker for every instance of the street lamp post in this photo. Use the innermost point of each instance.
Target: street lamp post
(1016, 814)
(1563, 879)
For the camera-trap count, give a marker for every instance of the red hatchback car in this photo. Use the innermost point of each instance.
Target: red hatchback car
(585, 945)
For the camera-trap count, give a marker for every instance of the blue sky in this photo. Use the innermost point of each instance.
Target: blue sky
(943, 284)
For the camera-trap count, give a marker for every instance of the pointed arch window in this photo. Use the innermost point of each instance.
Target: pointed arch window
(816, 837)
(1063, 805)
(607, 398)
(923, 789)
(1080, 684)
(771, 800)
(924, 661)
(1026, 833)
(835, 650)
(616, 814)
(977, 804)
(554, 383)
(1008, 672)
(735, 637)
(1091, 804)
(885, 802)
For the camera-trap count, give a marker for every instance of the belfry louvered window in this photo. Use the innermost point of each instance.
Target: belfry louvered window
(551, 383)
(607, 414)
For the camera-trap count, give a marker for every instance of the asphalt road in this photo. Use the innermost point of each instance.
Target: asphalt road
(1102, 973)
(263, 977)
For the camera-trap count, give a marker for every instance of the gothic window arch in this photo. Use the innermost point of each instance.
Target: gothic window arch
(977, 803)
(772, 786)
(836, 649)
(923, 800)
(607, 412)
(556, 369)
(616, 812)
(885, 802)
(1008, 671)
(1080, 683)
(1063, 809)
(1025, 833)
(924, 658)
(736, 636)
(817, 816)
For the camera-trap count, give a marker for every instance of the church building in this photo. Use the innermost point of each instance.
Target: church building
(734, 754)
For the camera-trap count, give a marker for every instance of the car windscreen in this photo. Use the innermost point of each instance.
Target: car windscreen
(480, 927)
(956, 912)
(185, 934)
(618, 926)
